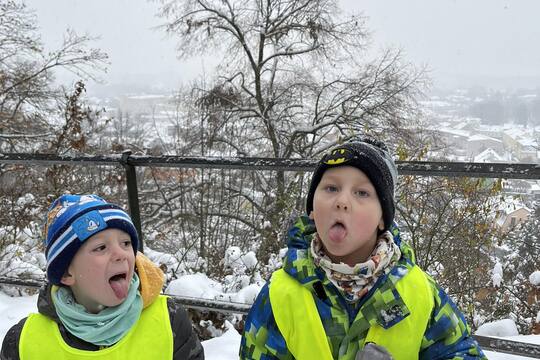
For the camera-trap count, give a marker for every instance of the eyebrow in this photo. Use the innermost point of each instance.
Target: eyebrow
(337, 179)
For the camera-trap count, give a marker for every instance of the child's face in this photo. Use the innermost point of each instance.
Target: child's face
(101, 270)
(347, 213)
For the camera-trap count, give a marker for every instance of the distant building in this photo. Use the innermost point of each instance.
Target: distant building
(535, 190)
(510, 214)
(489, 155)
(457, 140)
(478, 143)
(521, 144)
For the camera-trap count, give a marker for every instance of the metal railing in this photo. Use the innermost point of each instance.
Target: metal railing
(417, 168)
(130, 162)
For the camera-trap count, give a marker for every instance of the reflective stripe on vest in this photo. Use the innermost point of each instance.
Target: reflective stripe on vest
(150, 338)
(299, 322)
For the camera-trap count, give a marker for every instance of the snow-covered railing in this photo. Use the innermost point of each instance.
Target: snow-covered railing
(419, 168)
(508, 346)
(130, 162)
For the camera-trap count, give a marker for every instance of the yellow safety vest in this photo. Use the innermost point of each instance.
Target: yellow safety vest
(299, 322)
(150, 338)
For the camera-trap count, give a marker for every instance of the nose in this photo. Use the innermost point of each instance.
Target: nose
(341, 206)
(118, 253)
(342, 203)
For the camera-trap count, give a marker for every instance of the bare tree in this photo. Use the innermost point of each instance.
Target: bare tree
(294, 79)
(38, 115)
(449, 223)
(27, 92)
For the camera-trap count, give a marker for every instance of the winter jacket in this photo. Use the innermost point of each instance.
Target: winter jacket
(186, 344)
(446, 335)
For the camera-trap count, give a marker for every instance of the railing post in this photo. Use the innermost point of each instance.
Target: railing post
(133, 195)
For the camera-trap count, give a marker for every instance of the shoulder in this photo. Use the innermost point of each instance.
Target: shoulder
(424, 286)
(448, 331)
(177, 314)
(186, 342)
(411, 280)
(261, 338)
(261, 310)
(10, 345)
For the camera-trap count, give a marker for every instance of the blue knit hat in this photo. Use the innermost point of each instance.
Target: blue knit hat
(71, 220)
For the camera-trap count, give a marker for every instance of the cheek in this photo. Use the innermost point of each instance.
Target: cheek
(92, 270)
(319, 217)
(370, 215)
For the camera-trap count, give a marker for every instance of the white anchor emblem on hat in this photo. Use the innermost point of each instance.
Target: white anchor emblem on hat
(92, 225)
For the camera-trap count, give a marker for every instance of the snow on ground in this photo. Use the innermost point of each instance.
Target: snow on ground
(225, 347)
(13, 309)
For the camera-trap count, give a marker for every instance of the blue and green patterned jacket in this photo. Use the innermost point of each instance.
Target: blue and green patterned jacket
(446, 337)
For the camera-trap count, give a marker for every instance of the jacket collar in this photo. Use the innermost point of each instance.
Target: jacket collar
(382, 305)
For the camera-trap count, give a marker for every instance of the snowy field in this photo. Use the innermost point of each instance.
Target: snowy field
(221, 348)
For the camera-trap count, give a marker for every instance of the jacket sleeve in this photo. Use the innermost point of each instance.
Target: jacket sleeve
(10, 345)
(261, 339)
(186, 342)
(448, 336)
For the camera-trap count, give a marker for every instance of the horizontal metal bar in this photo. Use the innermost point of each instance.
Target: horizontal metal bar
(508, 346)
(213, 305)
(21, 282)
(239, 163)
(417, 168)
(227, 307)
(464, 169)
(52, 159)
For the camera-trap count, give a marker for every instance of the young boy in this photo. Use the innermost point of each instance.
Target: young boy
(102, 300)
(349, 287)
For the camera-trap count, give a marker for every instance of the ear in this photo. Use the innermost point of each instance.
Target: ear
(67, 279)
(311, 215)
(381, 225)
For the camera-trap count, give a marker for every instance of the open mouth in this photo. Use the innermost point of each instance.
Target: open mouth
(121, 276)
(337, 232)
(119, 284)
(338, 223)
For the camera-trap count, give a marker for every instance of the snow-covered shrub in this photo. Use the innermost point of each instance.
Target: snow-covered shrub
(504, 327)
(516, 278)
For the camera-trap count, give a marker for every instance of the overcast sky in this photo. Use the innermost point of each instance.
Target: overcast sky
(462, 41)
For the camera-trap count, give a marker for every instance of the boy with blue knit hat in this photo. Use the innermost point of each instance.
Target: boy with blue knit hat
(349, 288)
(103, 297)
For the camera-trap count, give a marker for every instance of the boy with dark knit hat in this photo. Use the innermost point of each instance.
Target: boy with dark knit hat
(102, 300)
(349, 287)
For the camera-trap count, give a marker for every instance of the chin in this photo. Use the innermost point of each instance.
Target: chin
(336, 255)
(112, 302)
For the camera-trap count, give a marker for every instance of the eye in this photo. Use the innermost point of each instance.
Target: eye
(99, 248)
(330, 188)
(126, 243)
(362, 193)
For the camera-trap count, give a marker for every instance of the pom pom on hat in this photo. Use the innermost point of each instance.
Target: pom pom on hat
(71, 220)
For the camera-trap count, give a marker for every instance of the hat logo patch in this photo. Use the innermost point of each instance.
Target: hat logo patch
(92, 225)
(88, 225)
(338, 156)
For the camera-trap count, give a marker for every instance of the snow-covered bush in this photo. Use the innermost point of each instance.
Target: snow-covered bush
(516, 278)
(504, 327)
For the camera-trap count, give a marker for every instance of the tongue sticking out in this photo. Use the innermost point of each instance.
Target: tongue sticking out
(120, 286)
(337, 233)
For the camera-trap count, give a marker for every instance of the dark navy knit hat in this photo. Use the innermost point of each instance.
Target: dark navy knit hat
(74, 218)
(373, 159)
